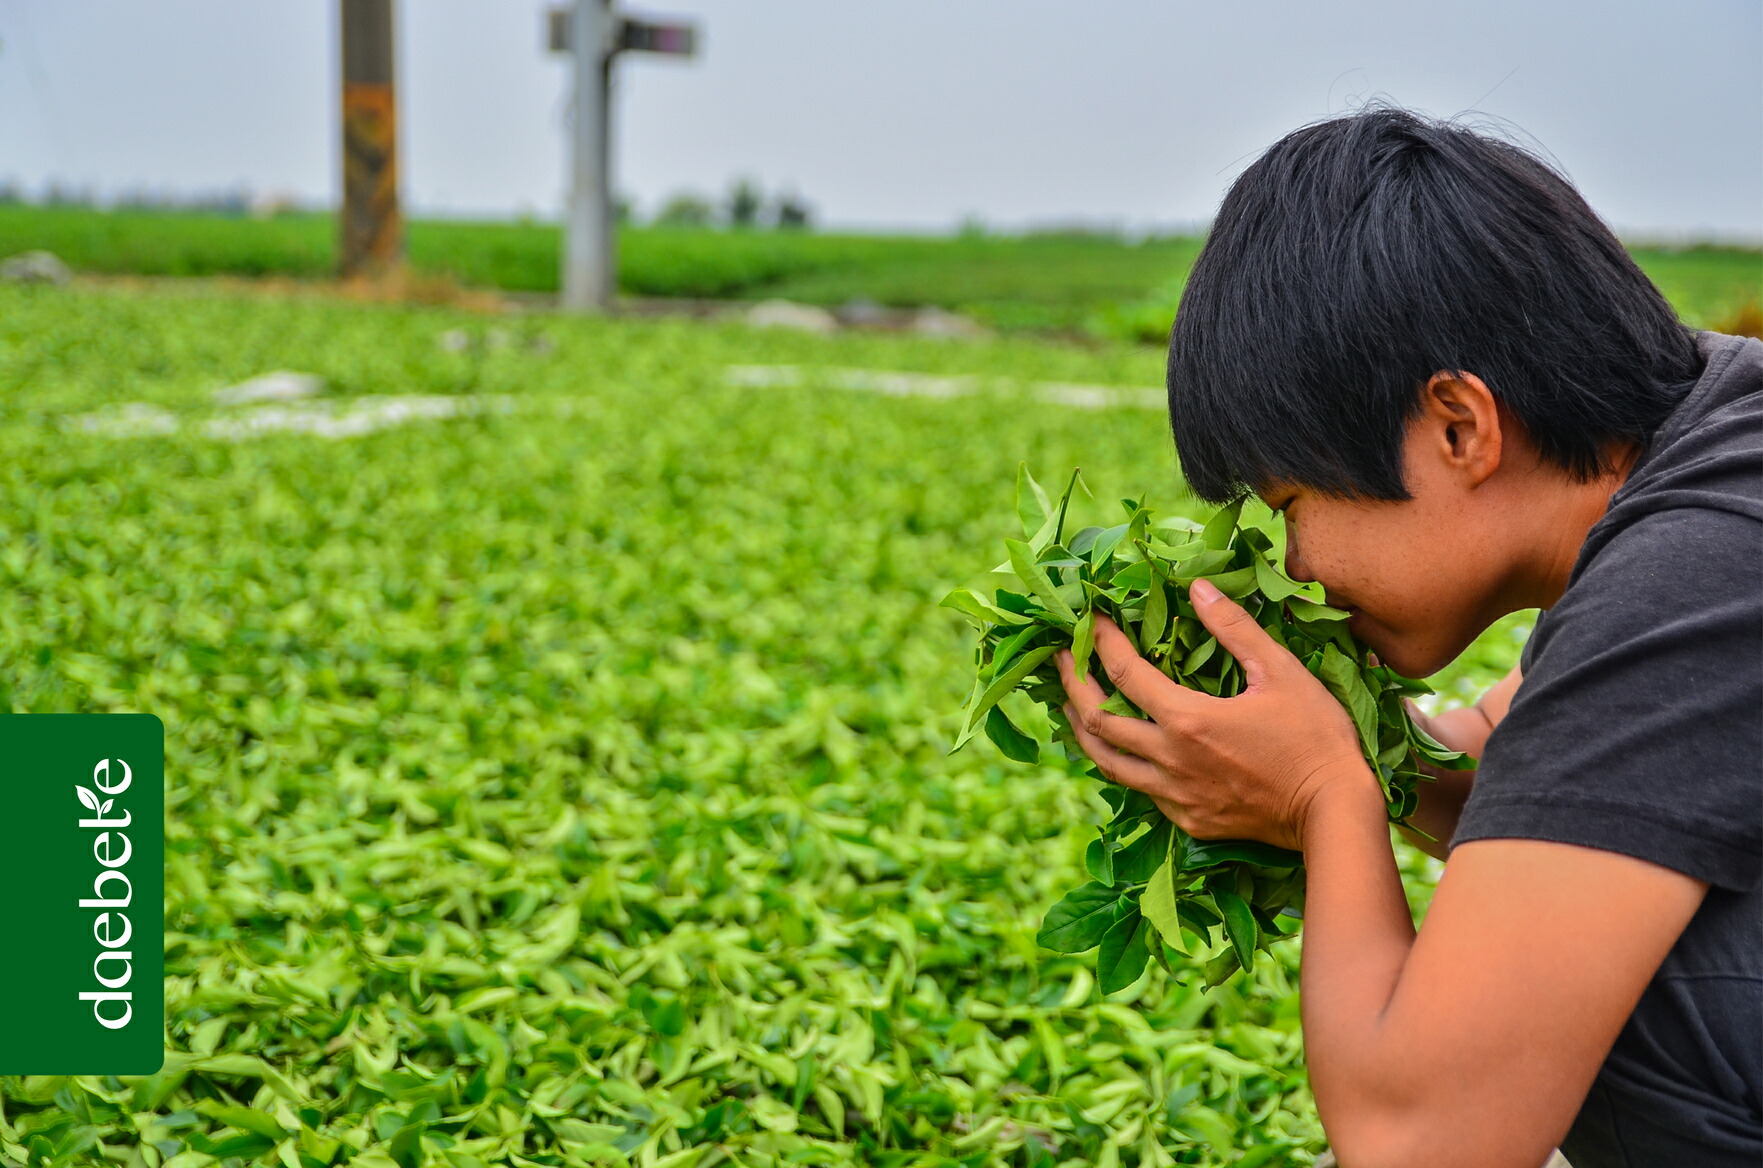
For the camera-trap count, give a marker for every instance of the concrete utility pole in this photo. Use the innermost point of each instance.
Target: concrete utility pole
(589, 269)
(370, 229)
(594, 34)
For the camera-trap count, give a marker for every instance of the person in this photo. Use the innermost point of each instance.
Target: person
(1420, 344)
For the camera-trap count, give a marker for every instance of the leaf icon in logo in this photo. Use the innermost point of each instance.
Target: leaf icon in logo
(89, 799)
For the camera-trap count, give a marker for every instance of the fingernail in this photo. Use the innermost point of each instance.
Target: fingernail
(1204, 590)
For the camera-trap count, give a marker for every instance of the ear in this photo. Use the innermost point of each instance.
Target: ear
(1462, 423)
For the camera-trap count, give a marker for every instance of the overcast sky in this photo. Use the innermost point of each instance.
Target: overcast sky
(898, 113)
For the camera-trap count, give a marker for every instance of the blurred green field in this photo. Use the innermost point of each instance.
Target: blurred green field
(1072, 284)
(564, 782)
(1054, 282)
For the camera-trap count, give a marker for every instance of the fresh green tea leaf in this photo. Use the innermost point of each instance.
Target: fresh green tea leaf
(1340, 674)
(1099, 861)
(1209, 853)
(1221, 528)
(1032, 505)
(1022, 562)
(1077, 922)
(1003, 684)
(1158, 903)
(1124, 951)
(1083, 643)
(1239, 923)
(1010, 741)
(1136, 862)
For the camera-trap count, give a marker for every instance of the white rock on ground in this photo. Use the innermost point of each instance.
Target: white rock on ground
(789, 314)
(903, 384)
(937, 322)
(281, 385)
(35, 267)
(863, 313)
(1100, 397)
(124, 420)
(353, 417)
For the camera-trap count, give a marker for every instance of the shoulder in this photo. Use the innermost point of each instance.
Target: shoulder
(1709, 453)
(1637, 727)
(1664, 583)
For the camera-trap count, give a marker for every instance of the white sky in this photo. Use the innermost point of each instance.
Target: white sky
(898, 113)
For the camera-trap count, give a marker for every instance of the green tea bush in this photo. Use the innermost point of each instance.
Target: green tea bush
(569, 786)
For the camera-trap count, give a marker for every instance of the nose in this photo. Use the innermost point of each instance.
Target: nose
(1296, 568)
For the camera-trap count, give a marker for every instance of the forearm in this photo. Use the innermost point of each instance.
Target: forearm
(1357, 938)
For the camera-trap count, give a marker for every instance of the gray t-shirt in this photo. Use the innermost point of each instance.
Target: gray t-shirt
(1639, 729)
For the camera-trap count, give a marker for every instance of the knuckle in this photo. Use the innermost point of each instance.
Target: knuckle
(1120, 670)
(1182, 724)
(1092, 720)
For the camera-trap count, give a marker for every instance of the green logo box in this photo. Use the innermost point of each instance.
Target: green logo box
(82, 889)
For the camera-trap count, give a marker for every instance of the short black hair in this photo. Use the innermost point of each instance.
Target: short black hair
(1359, 256)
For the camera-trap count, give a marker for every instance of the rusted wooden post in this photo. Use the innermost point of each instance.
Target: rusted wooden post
(370, 228)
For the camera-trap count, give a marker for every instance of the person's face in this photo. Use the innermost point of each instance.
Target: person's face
(1487, 531)
(1408, 571)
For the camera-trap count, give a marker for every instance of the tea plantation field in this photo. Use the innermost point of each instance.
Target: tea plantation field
(1067, 283)
(561, 778)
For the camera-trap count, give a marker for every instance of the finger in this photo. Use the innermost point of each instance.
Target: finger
(1419, 716)
(1084, 691)
(1258, 653)
(1132, 675)
(1115, 764)
(1133, 735)
(1084, 709)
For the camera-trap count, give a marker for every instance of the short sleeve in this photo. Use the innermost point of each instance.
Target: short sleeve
(1638, 727)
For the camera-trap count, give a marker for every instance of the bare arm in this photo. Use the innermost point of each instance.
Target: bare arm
(1474, 1043)
(1465, 729)
(1471, 1044)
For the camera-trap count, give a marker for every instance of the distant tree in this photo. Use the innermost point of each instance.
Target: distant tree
(744, 203)
(60, 194)
(793, 214)
(685, 209)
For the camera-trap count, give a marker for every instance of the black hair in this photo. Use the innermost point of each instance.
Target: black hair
(1361, 255)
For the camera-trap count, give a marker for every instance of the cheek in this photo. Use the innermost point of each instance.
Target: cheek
(1373, 566)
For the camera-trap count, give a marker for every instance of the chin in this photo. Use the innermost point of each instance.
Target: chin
(1405, 657)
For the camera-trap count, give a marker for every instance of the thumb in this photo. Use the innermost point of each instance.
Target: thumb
(1236, 630)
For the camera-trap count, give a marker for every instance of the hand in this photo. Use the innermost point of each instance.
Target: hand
(1245, 767)
(1467, 728)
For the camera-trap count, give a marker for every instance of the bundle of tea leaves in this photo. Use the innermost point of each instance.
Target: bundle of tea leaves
(1155, 892)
